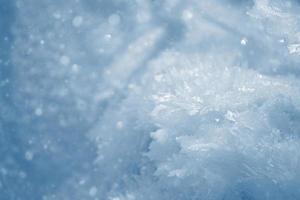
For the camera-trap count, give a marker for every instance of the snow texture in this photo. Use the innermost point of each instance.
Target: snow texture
(150, 100)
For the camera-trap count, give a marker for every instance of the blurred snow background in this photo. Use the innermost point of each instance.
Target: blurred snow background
(150, 99)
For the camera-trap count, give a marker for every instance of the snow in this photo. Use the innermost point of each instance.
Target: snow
(150, 100)
(64, 60)
(120, 125)
(160, 135)
(29, 155)
(77, 21)
(294, 48)
(187, 15)
(93, 191)
(244, 41)
(38, 111)
(114, 19)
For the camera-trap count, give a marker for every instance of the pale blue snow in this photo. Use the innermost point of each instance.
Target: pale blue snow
(150, 100)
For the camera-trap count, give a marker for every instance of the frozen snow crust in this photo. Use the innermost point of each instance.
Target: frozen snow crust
(151, 100)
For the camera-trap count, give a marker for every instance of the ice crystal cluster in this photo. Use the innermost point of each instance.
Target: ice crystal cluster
(150, 100)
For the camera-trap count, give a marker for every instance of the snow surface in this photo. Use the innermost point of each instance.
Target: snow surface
(150, 100)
